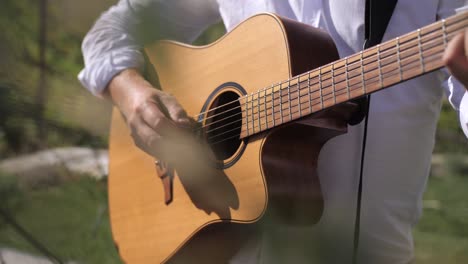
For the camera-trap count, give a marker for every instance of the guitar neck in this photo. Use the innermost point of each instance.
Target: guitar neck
(371, 70)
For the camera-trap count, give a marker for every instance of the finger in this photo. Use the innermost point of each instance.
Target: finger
(466, 42)
(155, 119)
(145, 137)
(175, 110)
(455, 58)
(168, 148)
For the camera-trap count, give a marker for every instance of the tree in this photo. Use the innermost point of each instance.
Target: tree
(41, 96)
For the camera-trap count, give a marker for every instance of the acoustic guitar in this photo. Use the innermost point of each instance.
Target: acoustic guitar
(266, 97)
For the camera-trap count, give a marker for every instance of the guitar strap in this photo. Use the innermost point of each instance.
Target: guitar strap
(377, 17)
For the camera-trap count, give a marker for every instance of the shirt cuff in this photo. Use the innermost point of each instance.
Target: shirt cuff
(97, 75)
(464, 114)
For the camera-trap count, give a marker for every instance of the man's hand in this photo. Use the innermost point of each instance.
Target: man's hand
(456, 57)
(155, 118)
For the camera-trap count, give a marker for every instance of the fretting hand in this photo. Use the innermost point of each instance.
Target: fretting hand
(456, 57)
(157, 121)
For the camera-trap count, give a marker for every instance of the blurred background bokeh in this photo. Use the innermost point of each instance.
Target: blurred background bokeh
(53, 148)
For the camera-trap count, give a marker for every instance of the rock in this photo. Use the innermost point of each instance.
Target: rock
(12, 256)
(48, 163)
(449, 164)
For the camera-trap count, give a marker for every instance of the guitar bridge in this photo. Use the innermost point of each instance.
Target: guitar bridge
(166, 174)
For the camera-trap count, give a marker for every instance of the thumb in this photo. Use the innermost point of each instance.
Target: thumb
(455, 58)
(175, 111)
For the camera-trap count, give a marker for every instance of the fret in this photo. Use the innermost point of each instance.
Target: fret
(347, 78)
(308, 88)
(258, 112)
(362, 74)
(273, 102)
(333, 82)
(380, 66)
(289, 99)
(299, 95)
(320, 87)
(251, 109)
(247, 115)
(421, 59)
(281, 102)
(389, 57)
(444, 32)
(399, 58)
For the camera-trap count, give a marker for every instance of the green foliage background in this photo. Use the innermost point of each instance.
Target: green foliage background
(67, 121)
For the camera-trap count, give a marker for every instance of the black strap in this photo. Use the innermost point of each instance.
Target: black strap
(377, 16)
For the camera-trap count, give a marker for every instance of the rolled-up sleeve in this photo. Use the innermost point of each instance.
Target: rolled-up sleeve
(464, 114)
(456, 92)
(116, 40)
(458, 98)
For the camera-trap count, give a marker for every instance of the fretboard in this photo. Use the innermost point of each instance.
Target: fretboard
(371, 70)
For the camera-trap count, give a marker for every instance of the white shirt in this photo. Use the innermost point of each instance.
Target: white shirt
(402, 121)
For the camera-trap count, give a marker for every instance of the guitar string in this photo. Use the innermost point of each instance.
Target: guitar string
(435, 58)
(340, 69)
(387, 74)
(401, 44)
(237, 135)
(384, 66)
(370, 81)
(280, 84)
(298, 89)
(450, 22)
(300, 84)
(324, 73)
(372, 77)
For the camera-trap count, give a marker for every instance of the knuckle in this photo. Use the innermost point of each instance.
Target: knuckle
(138, 143)
(136, 138)
(168, 94)
(158, 123)
(150, 112)
(179, 112)
(151, 141)
(448, 58)
(168, 98)
(133, 126)
(147, 107)
(139, 109)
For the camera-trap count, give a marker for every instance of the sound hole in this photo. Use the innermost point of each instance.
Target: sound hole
(224, 124)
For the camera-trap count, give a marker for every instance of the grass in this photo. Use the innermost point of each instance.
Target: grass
(441, 235)
(70, 219)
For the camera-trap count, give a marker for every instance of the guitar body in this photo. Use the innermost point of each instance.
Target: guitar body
(271, 175)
